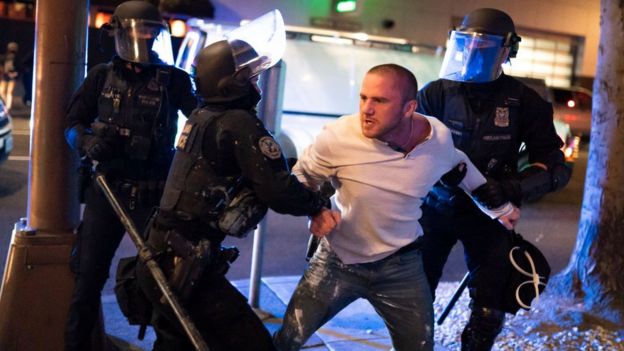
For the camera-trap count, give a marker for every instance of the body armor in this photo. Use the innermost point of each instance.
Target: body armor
(487, 130)
(201, 188)
(134, 117)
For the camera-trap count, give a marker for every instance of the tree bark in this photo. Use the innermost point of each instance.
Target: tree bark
(595, 273)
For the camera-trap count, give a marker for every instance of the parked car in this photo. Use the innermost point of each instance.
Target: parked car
(570, 137)
(573, 106)
(6, 139)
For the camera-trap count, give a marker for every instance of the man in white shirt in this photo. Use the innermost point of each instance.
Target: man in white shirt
(381, 162)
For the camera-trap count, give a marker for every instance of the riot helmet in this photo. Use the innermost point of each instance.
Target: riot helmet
(476, 49)
(225, 70)
(141, 34)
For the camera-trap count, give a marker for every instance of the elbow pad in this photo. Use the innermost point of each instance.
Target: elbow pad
(535, 182)
(561, 174)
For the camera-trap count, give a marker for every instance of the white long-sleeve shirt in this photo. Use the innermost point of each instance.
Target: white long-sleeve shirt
(378, 190)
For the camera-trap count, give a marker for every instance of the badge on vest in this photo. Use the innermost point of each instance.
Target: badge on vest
(153, 85)
(185, 135)
(269, 147)
(501, 119)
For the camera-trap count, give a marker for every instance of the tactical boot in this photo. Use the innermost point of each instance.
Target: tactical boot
(482, 328)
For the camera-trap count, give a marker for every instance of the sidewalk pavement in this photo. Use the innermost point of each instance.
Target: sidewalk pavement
(356, 328)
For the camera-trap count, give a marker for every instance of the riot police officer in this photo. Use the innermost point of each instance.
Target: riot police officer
(124, 117)
(226, 172)
(490, 114)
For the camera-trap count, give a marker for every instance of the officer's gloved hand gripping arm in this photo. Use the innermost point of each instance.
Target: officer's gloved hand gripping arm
(263, 164)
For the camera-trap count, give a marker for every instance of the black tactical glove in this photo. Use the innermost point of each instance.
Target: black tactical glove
(455, 176)
(96, 148)
(494, 194)
(291, 162)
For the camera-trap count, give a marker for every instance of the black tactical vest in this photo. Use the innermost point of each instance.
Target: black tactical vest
(485, 126)
(135, 117)
(194, 190)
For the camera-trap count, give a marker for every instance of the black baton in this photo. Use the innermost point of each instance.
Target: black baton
(327, 190)
(454, 298)
(313, 243)
(146, 256)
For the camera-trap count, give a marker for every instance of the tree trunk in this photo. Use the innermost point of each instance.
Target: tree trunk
(595, 273)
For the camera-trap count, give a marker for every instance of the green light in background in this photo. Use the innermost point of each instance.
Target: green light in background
(345, 6)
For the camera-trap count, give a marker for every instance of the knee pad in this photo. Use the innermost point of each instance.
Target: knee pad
(482, 329)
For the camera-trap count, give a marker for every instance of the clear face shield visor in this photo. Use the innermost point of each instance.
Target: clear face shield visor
(143, 41)
(473, 57)
(258, 44)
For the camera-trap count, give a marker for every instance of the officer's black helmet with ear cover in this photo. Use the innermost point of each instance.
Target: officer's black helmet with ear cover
(135, 9)
(224, 69)
(141, 34)
(492, 21)
(216, 76)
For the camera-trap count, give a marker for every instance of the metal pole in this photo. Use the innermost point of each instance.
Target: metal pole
(256, 264)
(269, 112)
(270, 107)
(37, 282)
(60, 65)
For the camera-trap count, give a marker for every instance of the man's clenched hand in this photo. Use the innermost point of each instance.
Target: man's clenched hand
(322, 223)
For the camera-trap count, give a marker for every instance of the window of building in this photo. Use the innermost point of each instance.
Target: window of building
(552, 57)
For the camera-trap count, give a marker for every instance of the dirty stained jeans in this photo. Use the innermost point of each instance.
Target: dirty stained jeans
(395, 286)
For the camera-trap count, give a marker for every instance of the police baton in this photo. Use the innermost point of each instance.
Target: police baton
(328, 191)
(147, 257)
(454, 298)
(313, 244)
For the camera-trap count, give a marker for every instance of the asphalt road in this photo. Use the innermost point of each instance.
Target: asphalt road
(551, 223)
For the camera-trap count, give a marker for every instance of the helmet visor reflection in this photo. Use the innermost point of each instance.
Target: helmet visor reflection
(142, 41)
(473, 57)
(260, 43)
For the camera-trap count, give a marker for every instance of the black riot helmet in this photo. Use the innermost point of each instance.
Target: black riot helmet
(215, 76)
(224, 70)
(492, 21)
(476, 49)
(141, 35)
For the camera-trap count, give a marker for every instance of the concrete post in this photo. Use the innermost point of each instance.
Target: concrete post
(270, 112)
(37, 282)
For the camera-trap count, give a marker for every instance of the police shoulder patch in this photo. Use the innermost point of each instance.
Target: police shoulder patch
(269, 147)
(185, 135)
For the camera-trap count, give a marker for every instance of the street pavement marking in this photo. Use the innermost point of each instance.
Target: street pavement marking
(19, 158)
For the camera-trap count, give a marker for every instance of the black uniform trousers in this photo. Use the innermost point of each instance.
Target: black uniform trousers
(486, 247)
(99, 236)
(218, 310)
